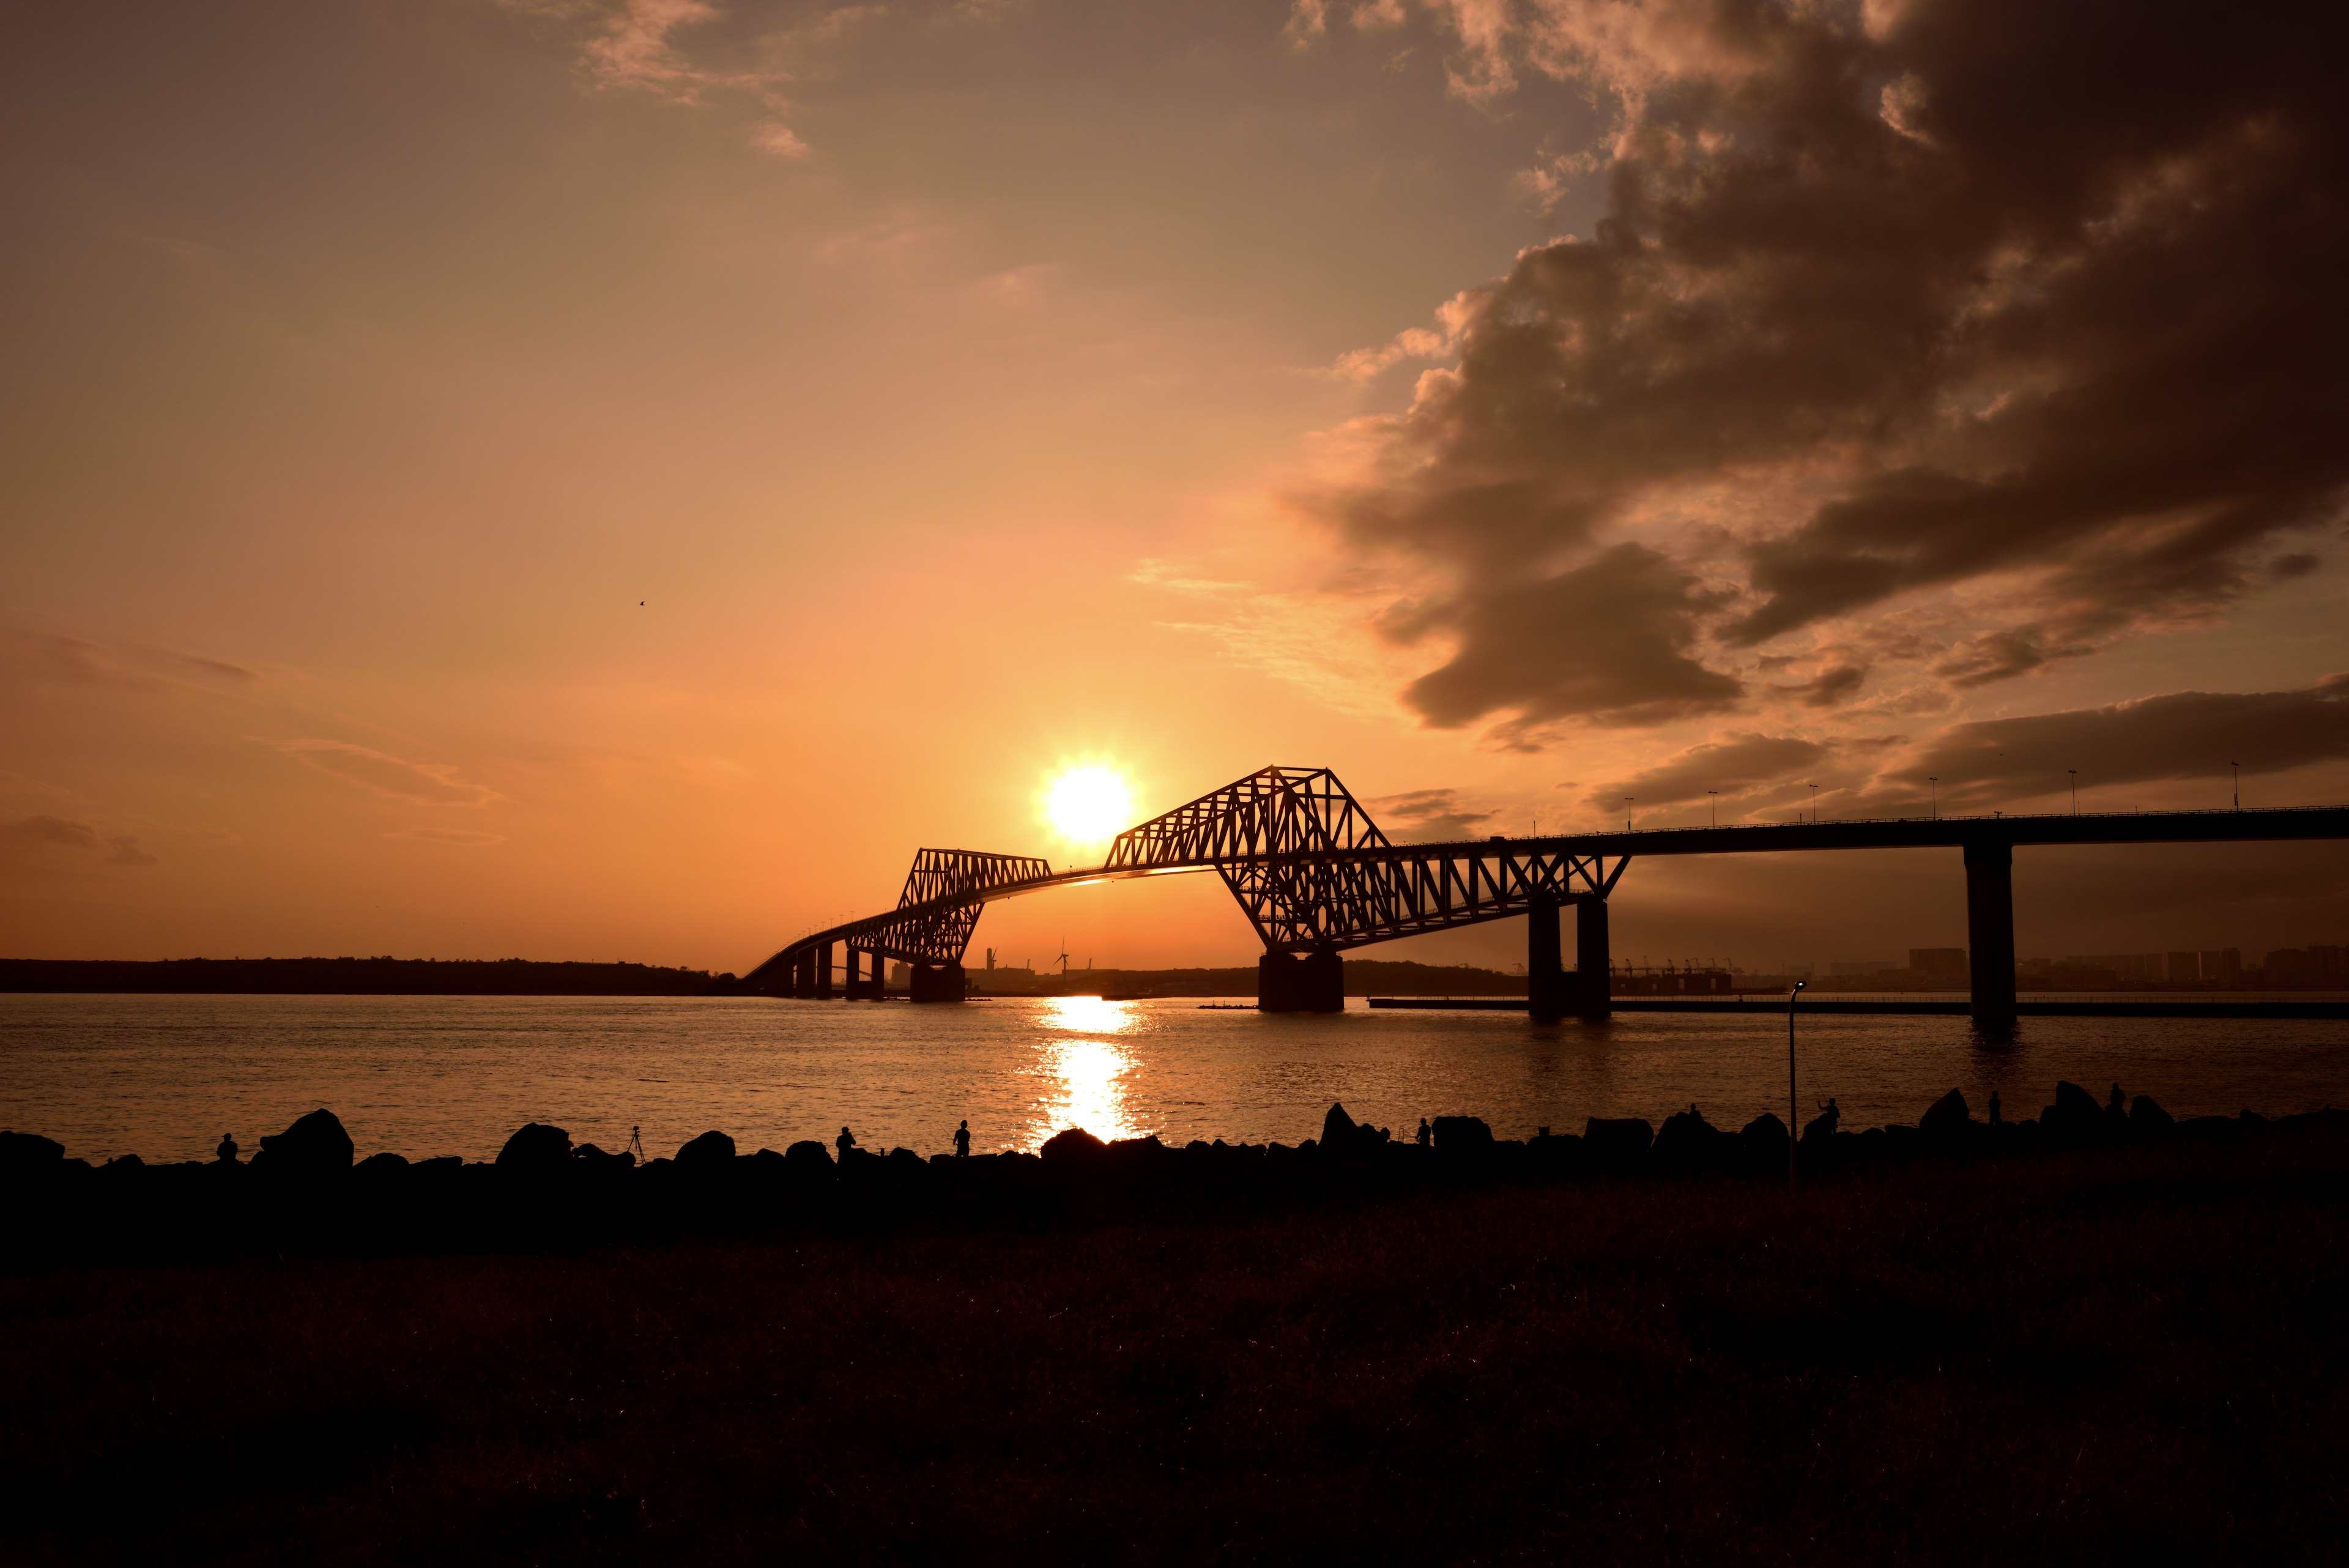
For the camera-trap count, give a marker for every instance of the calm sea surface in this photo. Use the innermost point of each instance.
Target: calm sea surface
(163, 1077)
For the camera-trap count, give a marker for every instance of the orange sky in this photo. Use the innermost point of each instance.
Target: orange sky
(589, 480)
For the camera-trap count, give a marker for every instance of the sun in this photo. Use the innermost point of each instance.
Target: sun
(1088, 804)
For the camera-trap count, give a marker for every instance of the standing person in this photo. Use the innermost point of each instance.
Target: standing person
(227, 1149)
(845, 1142)
(962, 1140)
(1426, 1134)
(1994, 1111)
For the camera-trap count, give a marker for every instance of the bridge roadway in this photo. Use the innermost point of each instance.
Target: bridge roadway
(1315, 877)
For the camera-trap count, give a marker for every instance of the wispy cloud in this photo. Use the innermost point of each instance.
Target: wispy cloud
(394, 778)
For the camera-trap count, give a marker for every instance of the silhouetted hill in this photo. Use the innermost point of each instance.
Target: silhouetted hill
(359, 977)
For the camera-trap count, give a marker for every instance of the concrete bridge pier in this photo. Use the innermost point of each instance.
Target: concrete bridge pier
(804, 974)
(938, 982)
(1990, 931)
(1300, 982)
(824, 972)
(1593, 960)
(1545, 984)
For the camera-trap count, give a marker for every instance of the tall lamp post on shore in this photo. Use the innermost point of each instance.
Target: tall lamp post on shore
(1794, 1117)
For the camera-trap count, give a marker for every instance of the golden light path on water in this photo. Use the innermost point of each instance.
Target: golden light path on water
(1086, 1073)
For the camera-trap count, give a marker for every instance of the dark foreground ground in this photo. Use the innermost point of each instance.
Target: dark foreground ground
(2127, 1352)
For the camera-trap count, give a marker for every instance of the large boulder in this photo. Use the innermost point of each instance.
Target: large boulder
(1946, 1120)
(315, 1144)
(1342, 1135)
(536, 1146)
(2074, 1118)
(807, 1155)
(1463, 1134)
(713, 1150)
(1072, 1146)
(1688, 1142)
(2146, 1115)
(1762, 1143)
(30, 1152)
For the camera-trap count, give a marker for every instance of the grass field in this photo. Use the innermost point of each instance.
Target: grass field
(2136, 1356)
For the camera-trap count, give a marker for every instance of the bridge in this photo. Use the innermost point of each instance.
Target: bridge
(1315, 877)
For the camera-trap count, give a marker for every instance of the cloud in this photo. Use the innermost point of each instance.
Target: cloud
(131, 669)
(463, 837)
(2182, 735)
(50, 830)
(2040, 303)
(1732, 766)
(1426, 816)
(1607, 641)
(395, 778)
(37, 836)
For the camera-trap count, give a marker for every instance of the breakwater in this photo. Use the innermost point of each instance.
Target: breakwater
(303, 1187)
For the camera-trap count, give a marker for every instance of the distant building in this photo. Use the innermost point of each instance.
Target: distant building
(1863, 966)
(2223, 967)
(1939, 964)
(2181, 969)
(2320, 965)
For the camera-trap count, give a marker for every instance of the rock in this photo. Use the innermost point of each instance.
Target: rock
(1072, 1145)
(382, 1164)
(1337, 1127)
(30, 1152)
(315, 1144)
(592, 1155)
(1948, 1119)
(713, 1150)
(808, 1154)
(1688, 1142)
(2146, 1115)
(1762, 1143)
(1616, 1143)
(1461, 1135)
(2074, 1118)
(536, 1146)
(1824, 1125)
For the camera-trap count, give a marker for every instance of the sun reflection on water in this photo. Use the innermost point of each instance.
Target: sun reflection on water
(1085, 1078)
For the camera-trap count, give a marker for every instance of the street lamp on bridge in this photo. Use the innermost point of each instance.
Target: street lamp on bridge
(1794, 1117)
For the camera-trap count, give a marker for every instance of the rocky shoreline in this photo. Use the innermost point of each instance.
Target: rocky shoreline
(303, 1190)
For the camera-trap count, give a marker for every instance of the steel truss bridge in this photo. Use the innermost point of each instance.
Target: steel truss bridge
(1315, 877)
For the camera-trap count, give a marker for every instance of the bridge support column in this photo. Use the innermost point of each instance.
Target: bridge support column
(1546, 988)
(938, 982)
(824, 972)
(803, 975)
(1990, 931)
(1593, 960)
(1306, 982)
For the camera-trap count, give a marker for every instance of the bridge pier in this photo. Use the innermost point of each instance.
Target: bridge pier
(804, 974)
(1545, 983)
(824, 972)
(1593, 960)
(1990, 931)
(938, 982)
(1300, 982)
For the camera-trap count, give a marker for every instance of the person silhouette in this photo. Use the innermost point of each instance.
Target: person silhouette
(2116, 1100)
(227, 1149)
(1994, 1114)
(962, 1140)
(1426, 1134)
(845, 1142)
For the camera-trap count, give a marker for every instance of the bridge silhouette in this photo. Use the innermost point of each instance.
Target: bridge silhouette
(1315, 877)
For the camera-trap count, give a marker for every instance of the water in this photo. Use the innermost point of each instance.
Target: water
(163, 1077)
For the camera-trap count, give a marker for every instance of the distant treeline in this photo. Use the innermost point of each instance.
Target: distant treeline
(359, 977)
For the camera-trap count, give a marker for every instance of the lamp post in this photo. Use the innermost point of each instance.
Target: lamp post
(1715, 804)
(1815, 803)
(1794, 1117)
(1935, 780)
(1627, 813)
(2238, 768)
(2075, 790)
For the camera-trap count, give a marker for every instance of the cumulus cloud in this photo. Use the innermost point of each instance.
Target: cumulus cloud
(1426, 816)
(2037, 303)
(394, 778)
(2181, 735)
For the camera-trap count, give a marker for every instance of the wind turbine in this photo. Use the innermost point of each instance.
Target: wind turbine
(1063, 960)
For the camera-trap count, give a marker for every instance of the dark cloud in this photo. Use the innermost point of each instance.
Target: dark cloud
(1830, 687)
(1608, 640)
(1426, 816)
(127, 853)
(2001, 288)
(2183, 735)
(1732, 766)
(48, 830)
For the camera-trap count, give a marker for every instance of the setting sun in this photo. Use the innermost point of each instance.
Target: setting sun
(1088, 805)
